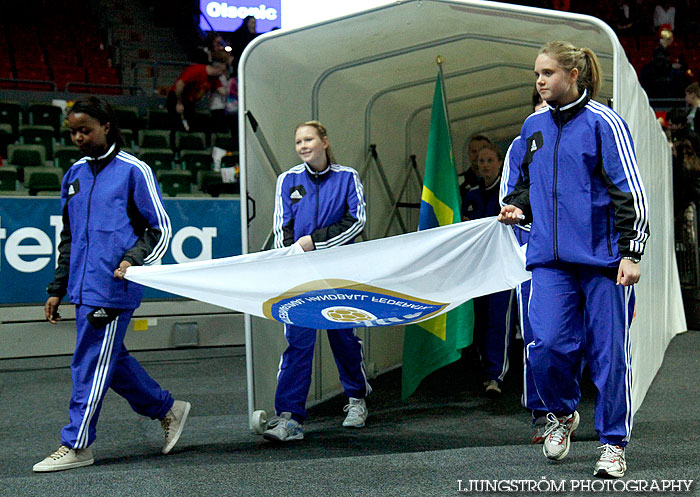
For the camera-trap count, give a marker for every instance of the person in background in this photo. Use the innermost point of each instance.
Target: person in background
(509, 178)
(113, 218)
(685, 147)
(493, 323)
(318, 204)
(582, 191)
(242, 36)
(469, 178)
(190, 87)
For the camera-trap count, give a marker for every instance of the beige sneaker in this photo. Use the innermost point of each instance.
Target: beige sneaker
(173, 423)
(65, 458)
(492, 388)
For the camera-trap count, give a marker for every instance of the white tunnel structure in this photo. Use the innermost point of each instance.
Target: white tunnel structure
(369, 78)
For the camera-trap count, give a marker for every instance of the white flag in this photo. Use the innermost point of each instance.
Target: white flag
(397, 280)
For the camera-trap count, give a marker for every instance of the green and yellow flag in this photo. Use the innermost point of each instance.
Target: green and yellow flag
(435, 343)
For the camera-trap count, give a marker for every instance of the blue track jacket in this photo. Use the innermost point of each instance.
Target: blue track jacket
(112, 211)
(580, 186)
(328, 205)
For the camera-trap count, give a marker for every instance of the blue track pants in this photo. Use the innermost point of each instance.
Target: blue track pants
(100, 362)
(579, 313)
(294, 376)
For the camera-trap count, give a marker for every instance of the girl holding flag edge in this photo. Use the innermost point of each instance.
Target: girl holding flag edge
(581, 190)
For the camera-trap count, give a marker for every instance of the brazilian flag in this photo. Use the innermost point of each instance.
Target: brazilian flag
(435, 343)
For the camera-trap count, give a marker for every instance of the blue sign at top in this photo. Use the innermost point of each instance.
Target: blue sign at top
(228, 15)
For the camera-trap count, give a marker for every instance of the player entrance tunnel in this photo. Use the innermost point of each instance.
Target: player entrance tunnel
(369, 78)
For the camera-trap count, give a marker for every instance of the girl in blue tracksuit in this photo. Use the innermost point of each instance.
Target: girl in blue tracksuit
(492, 313)
(113, 218)
(581, 190)
(318, 204)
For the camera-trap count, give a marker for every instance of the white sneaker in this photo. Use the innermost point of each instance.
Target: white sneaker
(557, 435)
(612, 462)
(357, 413)
(173, 423)
(283, 428)
(65, 458)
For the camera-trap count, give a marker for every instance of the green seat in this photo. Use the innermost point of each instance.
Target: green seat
(157, 158)
(209, 180)
(128, 117)
(230, 160)
(64, 156)
(11, 113)
(8, 178)
(195, 161)
(37, 179)
(159, 119)
(7, 137)
(46, 115)
(128, 136)
(42, 135)
(65, 136)
(223, 140)
(190, 140)
(154, 138)
(26, 155)
(174, 183)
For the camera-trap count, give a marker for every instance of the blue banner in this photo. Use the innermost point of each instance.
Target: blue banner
(229, 15)
(30, 231)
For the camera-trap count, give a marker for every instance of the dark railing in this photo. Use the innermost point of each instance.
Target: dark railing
(71, 86)
(81, 86)
(154, 65)
(39, 82)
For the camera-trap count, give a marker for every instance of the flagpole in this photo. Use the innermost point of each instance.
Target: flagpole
(439, 60)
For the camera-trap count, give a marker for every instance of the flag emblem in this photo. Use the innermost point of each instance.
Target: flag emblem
(334, 304)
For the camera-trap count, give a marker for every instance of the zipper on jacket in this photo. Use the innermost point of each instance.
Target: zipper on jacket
(318, 193)
(555, 206)
(87, 231)
(607, 227)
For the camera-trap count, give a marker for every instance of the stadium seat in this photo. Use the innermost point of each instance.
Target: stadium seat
(11, 113)
(38, 179)
(7, 137)
(222, 140)
(38, 135)
(64, 156)
(230, 160)
(154, 138)
(46, 115)
(190, 140)
(128, 117)
(173, 183)
(195, 161)
(26, 155)
(157, 158)
(158, 119)
(128, 136)
(209, 180)
(8, 178)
